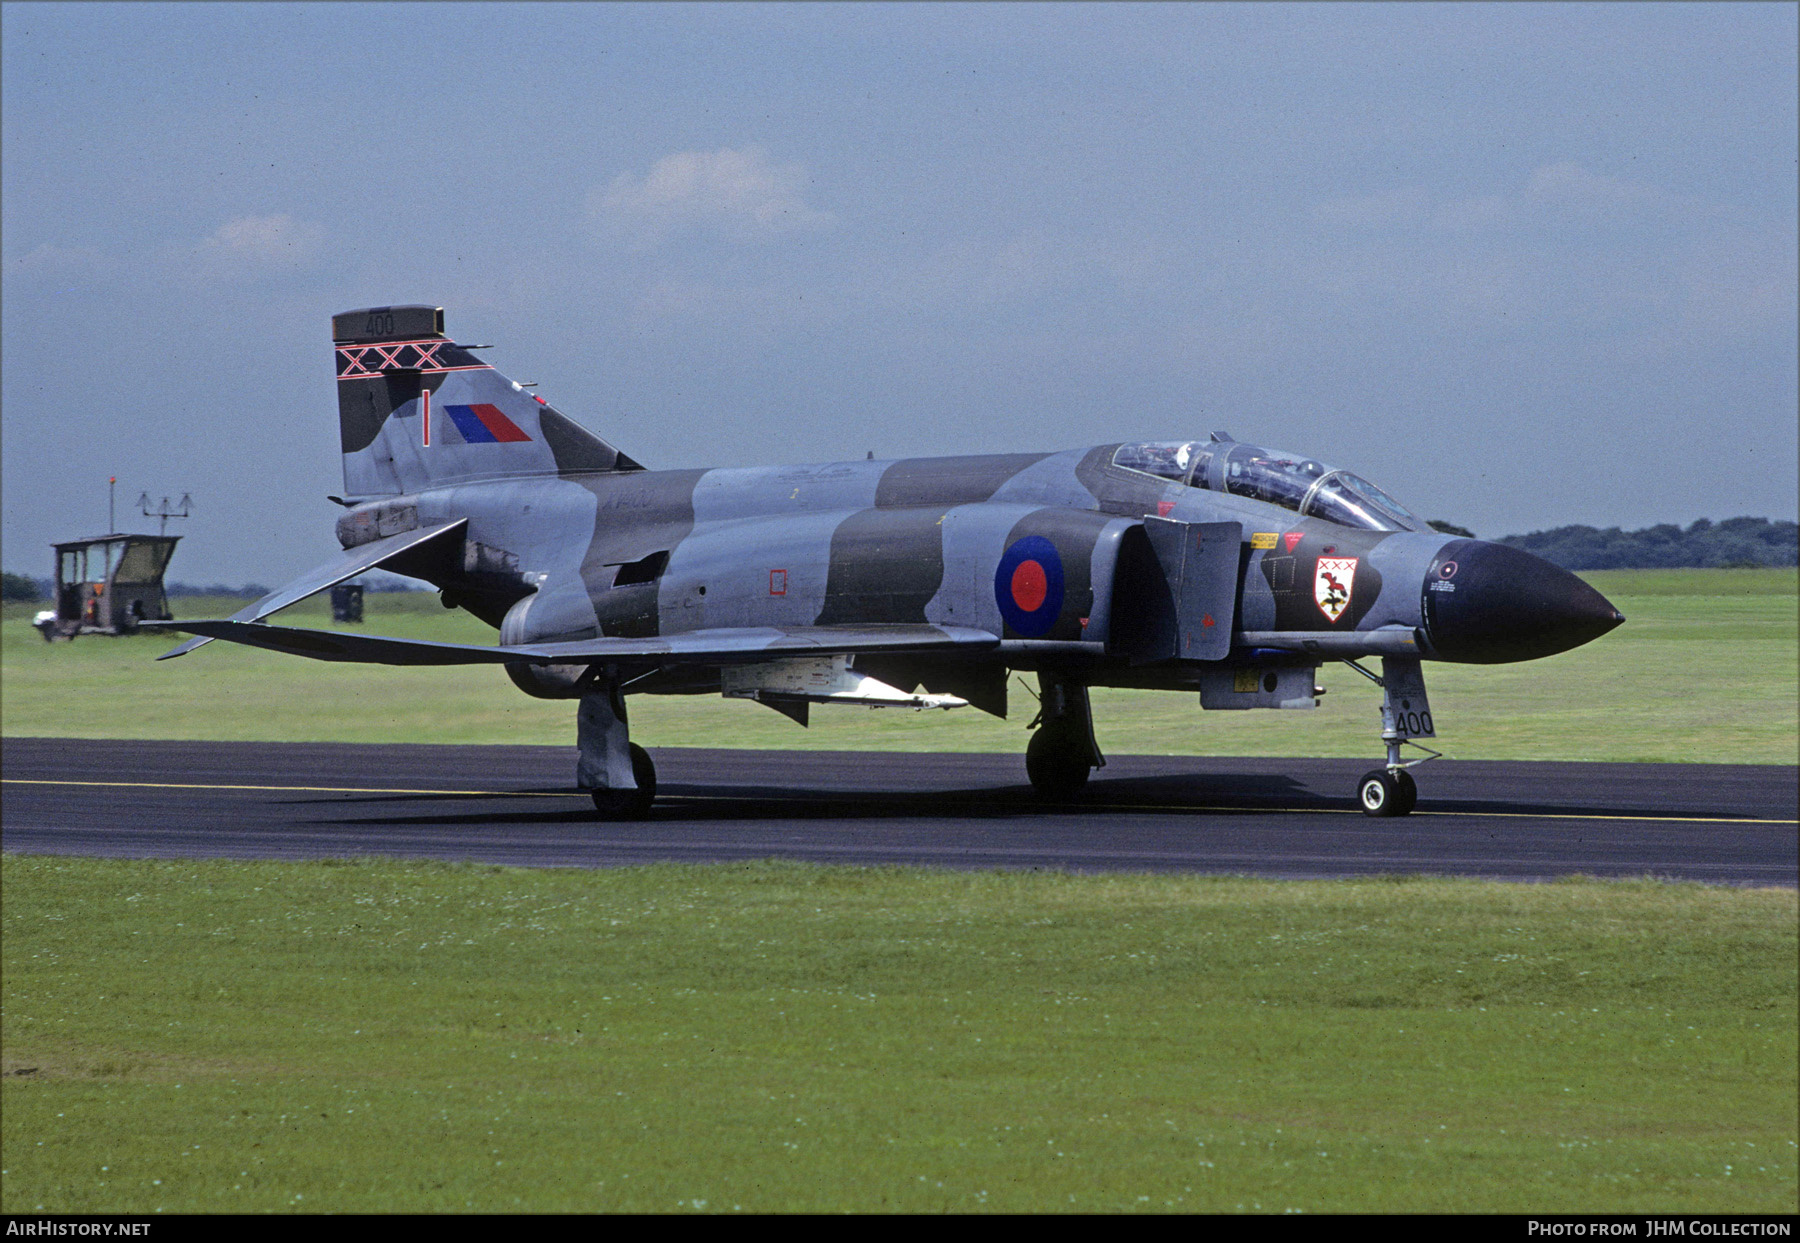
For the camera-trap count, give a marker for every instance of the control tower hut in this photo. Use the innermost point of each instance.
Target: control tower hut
(108, 584)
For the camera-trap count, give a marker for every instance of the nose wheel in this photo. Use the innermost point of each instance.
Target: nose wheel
(1387, 792)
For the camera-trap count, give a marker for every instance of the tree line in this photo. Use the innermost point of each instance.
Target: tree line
(1733, 543)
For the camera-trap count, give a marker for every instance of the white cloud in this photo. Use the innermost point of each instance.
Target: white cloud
(738, 195)
(1571, 187)
(250, 246)
(266, 239)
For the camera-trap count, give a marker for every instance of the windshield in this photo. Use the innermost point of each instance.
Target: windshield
(1302, 484)
(1355, 502)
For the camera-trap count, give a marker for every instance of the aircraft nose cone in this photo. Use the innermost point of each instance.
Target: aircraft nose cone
(1489, 604)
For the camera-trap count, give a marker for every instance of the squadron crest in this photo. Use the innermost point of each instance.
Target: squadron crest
(1332, 584)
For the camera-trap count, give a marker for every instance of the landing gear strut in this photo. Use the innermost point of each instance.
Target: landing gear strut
(1405, 715)
(1062, 753)
(613, 769)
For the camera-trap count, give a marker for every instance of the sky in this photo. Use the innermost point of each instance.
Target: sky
(1522, 265)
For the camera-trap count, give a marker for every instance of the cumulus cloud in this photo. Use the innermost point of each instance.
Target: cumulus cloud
(266, 239)
(739, 195)
(1567, 185)
(245, 247)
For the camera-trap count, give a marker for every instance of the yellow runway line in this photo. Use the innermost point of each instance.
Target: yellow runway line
(717, 798)
(199, 785)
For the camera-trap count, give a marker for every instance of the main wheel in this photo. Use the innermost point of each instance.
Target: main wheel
(1387, 793)
(630, 804)
(1056, 766)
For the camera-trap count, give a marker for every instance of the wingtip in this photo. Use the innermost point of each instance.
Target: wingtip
(184, 648)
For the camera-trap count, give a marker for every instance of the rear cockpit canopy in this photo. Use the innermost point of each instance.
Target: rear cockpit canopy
(1308, 487)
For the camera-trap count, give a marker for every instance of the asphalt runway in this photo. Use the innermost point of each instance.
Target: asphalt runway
(1720, 824)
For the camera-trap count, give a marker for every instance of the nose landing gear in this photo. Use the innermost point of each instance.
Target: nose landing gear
(1405, 715)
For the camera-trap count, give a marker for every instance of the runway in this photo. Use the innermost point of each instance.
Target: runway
(1720, 824)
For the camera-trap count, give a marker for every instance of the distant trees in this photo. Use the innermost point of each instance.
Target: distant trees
(1733, 542)
(18, 589)
(247, 590)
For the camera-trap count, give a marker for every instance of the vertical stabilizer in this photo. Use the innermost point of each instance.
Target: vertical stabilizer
(416, 410)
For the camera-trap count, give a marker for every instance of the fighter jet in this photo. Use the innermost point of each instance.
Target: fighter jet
(1212, 566)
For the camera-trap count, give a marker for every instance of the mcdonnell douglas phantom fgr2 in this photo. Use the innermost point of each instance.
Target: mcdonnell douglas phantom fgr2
(1213, 566)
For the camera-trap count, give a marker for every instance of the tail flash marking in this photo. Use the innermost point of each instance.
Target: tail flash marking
(483, 424)
(362, 362)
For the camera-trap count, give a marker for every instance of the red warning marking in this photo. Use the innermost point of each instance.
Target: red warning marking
(778, 582)
(1029, 586)
(1164, 508)
(1208, 621)
(1293, 538)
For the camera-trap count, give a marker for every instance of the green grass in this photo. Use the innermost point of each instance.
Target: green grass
(379, 1036)
(1707, 668)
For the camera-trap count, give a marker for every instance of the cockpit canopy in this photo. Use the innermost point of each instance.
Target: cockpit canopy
(1309, 488)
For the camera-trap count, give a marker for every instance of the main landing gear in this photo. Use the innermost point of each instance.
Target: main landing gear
(1405, 715)
(1062, 753)
(613, 769)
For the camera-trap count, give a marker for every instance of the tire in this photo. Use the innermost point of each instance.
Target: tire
(630, 804)
(1056, 767)
(1384, 793)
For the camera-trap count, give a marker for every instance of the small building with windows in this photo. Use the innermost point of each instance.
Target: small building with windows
(108, 584)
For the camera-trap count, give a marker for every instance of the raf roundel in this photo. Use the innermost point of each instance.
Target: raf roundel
(1028, 585)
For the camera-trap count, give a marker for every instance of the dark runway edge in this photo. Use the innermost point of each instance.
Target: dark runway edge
(1722, 824)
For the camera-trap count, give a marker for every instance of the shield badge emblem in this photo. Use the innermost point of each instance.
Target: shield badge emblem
(1332, 584)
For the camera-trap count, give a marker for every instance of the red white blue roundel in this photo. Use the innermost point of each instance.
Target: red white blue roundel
(1029, 586)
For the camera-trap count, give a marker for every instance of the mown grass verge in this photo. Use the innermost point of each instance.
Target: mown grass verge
(383, 1036)
(1707, 668)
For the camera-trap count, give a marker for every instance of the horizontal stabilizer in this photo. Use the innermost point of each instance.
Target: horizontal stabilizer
(694, 647)
(358, 560)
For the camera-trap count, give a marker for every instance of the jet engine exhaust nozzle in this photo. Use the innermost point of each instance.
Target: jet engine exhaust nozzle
(1490, 604)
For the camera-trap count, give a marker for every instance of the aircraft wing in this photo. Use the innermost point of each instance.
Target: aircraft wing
(724, 646)
(349, 564)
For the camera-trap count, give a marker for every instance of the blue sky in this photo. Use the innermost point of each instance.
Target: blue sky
(1523, 265)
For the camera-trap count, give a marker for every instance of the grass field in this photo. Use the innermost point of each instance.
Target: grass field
(217, 1036)
(1707, 668)
(209, 1036)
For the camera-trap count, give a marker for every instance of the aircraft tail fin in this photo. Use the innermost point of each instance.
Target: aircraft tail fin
(416, 410)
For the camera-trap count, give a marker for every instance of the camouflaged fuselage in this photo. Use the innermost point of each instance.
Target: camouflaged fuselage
(916, 541)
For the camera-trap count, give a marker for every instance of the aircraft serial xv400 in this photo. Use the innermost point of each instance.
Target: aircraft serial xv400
(1210, 566)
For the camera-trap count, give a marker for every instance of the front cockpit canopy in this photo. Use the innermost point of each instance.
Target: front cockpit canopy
(1308, 487)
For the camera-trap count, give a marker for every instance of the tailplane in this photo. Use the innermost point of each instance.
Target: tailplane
(416, 410)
